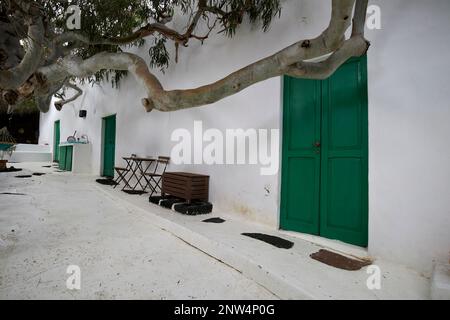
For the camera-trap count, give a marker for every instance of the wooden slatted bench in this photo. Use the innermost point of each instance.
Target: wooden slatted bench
(185, 185)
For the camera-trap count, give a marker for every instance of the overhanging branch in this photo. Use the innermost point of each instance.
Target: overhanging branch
(292, 60)
(60, 103)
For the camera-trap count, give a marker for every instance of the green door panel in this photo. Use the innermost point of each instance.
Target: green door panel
(62, 157)
(109, 145)
(69, 154)
(344, 173)
(301, 160)
(56, 139)
(324, 188)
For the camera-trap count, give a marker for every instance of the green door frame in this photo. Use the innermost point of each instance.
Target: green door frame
(108, 147)
(56, 140)
(324, 186)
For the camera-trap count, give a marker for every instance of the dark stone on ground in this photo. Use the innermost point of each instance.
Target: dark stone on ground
(339, 261)
(214, 220)
(108, 182)
(193, 208)
(273, 240)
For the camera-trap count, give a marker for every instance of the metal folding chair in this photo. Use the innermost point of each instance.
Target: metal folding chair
(154, 178)
(121, 176)
(122, 172)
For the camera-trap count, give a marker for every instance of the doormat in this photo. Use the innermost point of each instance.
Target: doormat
(273, 240)
(194, 208)
(214, 220)
(108, 182)
(24, 176)
(11, 169)
(138, 192)
(38, 174)
(339, 261)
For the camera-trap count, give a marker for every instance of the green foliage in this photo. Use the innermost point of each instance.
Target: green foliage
(113, 19)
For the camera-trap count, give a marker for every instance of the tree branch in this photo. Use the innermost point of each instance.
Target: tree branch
(292, 61)
(60, 103)
(14, 77)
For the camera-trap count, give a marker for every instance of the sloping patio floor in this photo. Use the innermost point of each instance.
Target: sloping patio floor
(287, 273)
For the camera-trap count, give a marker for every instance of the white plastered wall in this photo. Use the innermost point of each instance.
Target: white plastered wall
(409, 153)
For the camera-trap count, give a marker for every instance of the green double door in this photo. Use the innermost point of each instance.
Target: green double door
(109, 145)
(325, 159)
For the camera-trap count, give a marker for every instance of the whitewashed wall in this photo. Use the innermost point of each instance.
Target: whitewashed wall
(408, 132)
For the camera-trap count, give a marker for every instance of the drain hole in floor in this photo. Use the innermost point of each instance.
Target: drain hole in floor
(214, 220)
(339, 261)
(24, 176)
(273, 240)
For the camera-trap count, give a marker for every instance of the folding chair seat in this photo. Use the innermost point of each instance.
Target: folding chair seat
(154, 178)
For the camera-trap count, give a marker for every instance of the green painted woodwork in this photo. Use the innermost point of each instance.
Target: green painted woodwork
(69, 157)
(56, 138)
(62, 157)
(65, 157)
(109, 145)
(325, 168)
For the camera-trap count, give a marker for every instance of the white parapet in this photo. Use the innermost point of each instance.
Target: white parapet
(31, 153)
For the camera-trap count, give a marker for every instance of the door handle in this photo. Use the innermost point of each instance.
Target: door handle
(317, 144)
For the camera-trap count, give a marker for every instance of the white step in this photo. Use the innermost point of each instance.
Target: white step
(31, 153)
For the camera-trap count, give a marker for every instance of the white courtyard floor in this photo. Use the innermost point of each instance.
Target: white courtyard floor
(128, 248)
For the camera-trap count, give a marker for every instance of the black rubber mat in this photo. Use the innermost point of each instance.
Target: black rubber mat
(108, 182)
(24, 176)
(194, 208)
(272, 240)
(13, 193)
(168, 203)
(214, 220)
(11, 169)
(156, 199)
(135, 192)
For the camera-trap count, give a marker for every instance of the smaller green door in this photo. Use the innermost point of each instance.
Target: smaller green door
(56, 138)
(62, 157)
(69, 153)
(109, 145)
